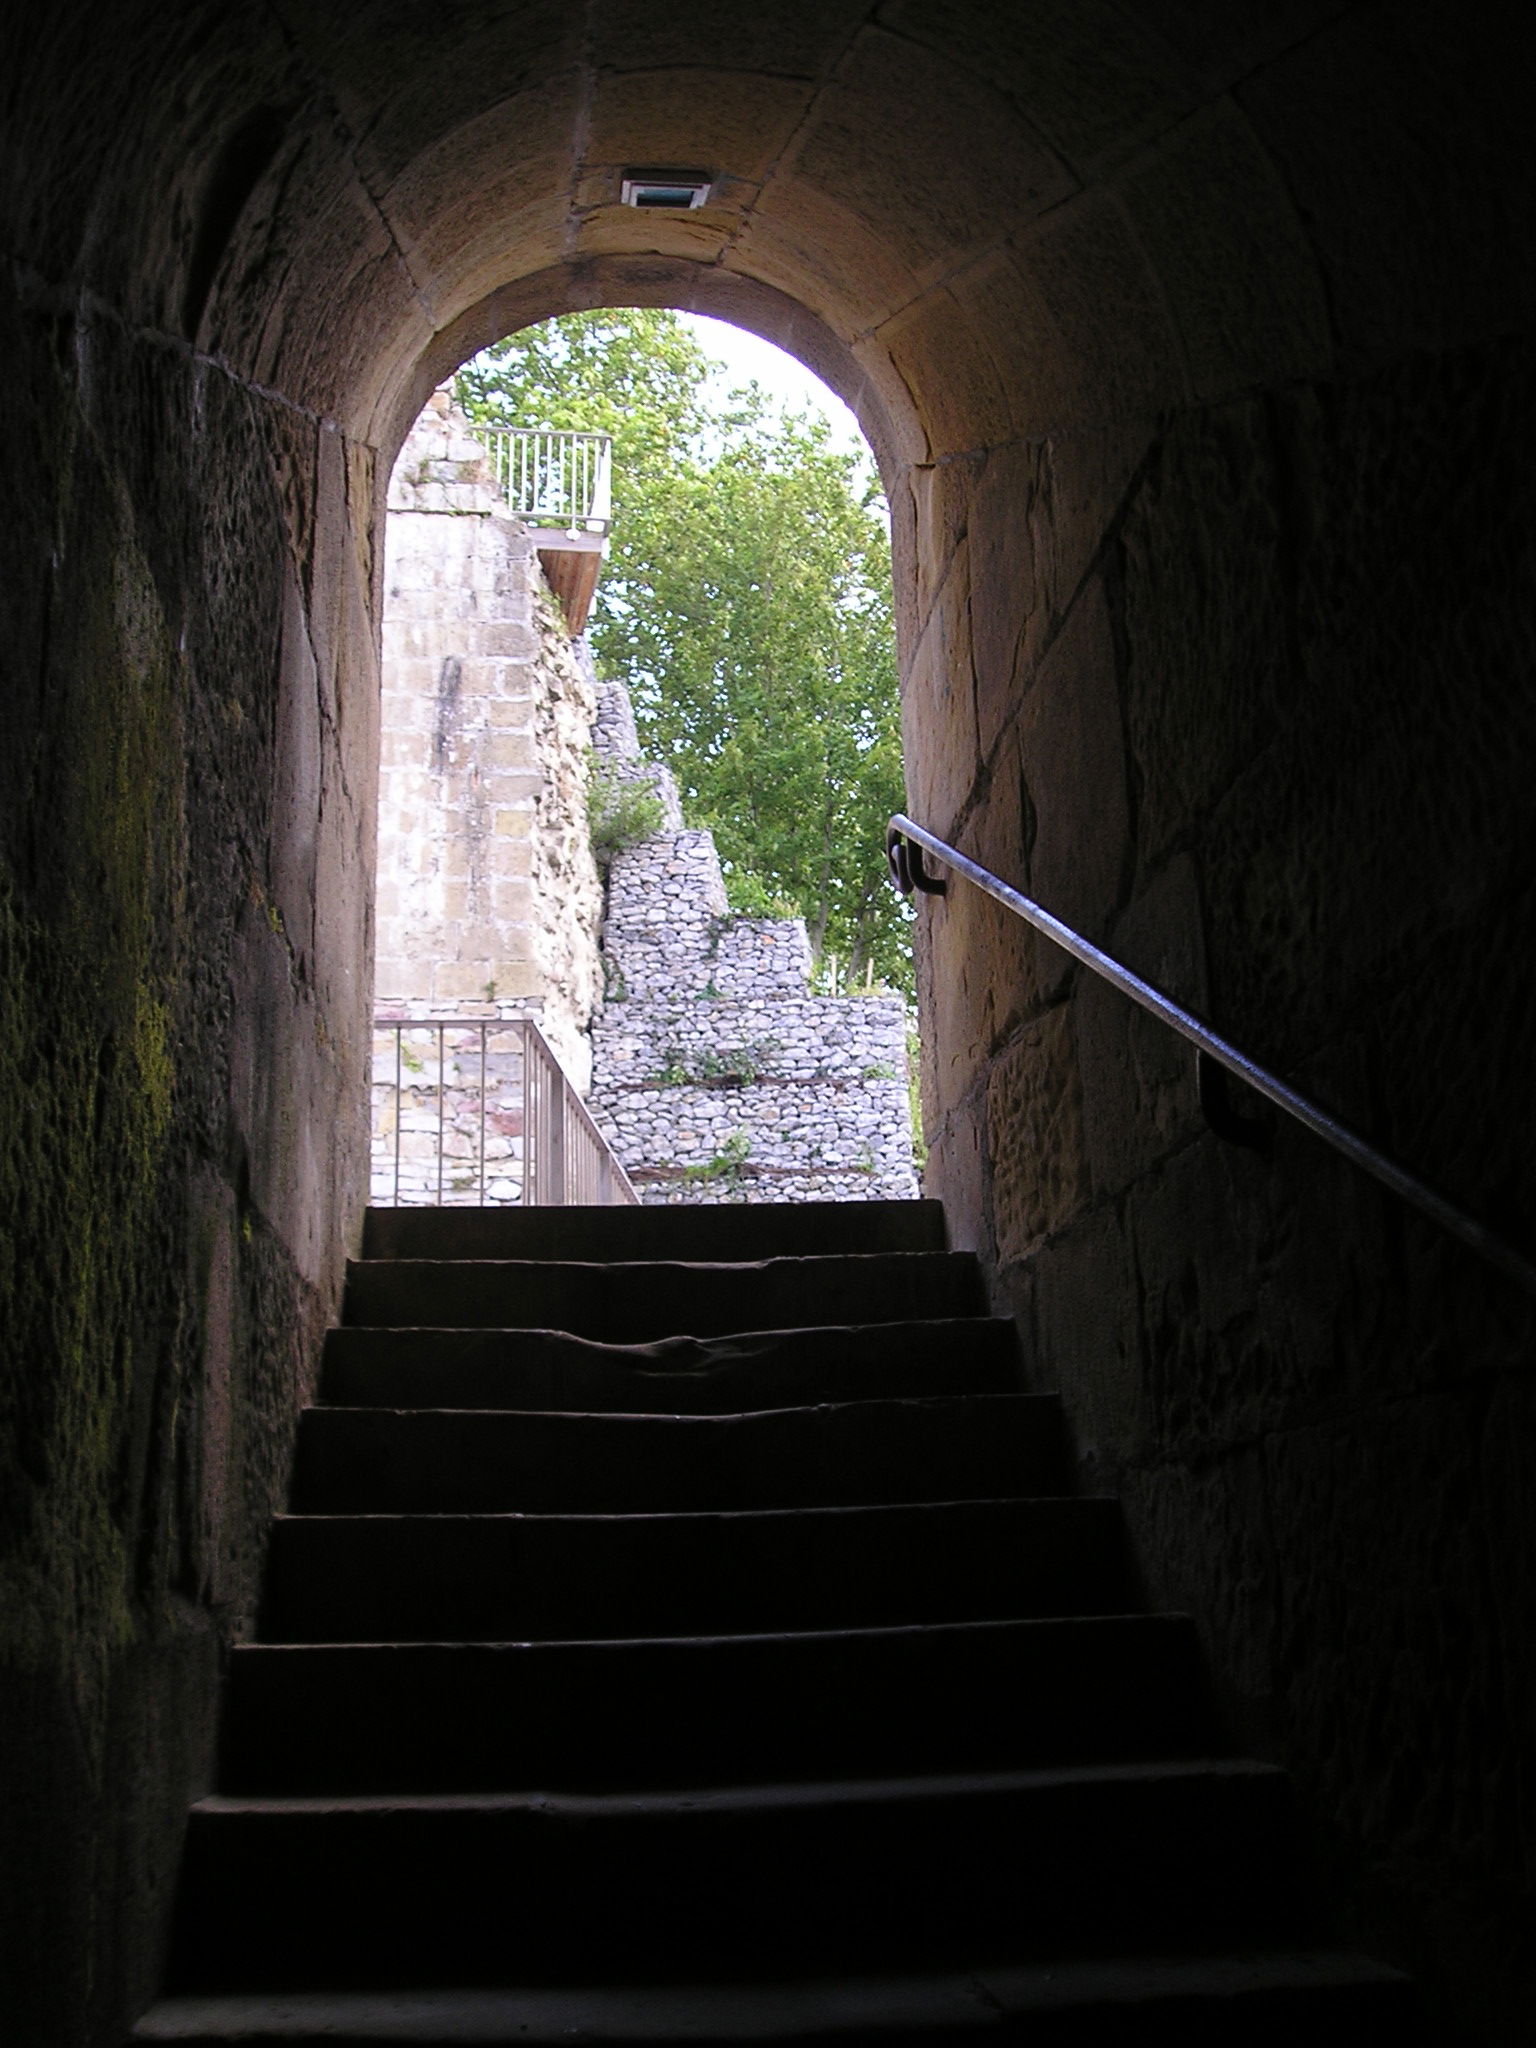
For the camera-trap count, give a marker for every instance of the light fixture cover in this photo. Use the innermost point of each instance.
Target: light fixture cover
(678, 190)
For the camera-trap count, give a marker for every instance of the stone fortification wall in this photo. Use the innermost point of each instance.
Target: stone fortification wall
(489, 901)
(717, 1076)
(616, 742)
(669, 930)
(777, 1099)
(666, 907)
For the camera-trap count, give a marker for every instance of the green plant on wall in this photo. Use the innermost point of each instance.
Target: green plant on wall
(725, 1168)
(733, 1065)
(621, 811)
(728, 1066)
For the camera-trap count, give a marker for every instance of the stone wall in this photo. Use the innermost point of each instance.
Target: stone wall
(617, 745)
(668, 928)
(1264, 728)
(774, 1099)
(1195, 344)
(488, 898)
(722, 1077)
(717, 1076)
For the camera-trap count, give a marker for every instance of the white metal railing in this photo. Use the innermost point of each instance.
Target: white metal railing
(478, 1112)
(553, 479)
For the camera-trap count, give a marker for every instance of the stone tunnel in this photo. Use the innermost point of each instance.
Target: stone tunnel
(1194, 345)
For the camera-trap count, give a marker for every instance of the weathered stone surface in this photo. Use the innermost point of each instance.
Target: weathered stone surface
(1222, 234)
(1072, 759)
(987, 172)
(493, 897)
(182, 919)
(939, 707)
(239, 258)
(981, 968)
(795, 230)
(1093, 81)
(1070, 289)
(1035, 1136)
(717, 1076)
(958, 1174)
(814, 1089)
(1205, 631)
(934, 346)
(1076, 1313)
(745, 121)
(1144, 1097)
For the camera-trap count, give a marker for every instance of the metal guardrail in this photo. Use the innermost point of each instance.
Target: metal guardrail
(905, 843)
(553, 479)
(478, 1112)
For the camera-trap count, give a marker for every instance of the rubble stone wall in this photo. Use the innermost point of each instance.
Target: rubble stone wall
(717, 1076)
(770, 1100)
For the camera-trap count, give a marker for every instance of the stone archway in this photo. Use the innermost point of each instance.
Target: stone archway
(1195, 344)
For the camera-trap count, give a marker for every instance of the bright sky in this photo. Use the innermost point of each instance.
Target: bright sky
(746, 358)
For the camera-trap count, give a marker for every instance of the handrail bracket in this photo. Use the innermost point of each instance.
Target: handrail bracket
(1221, 1112)
(905, 860)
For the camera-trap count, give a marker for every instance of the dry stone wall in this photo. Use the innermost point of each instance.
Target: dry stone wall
(616, 743)
(717, 1075)
(767, 1100)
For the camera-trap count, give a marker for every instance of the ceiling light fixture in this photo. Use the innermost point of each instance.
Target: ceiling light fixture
(678, 190)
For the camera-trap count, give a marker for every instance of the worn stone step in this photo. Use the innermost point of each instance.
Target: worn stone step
(434, 1460)
(789, 1878)
(454, 1578)
(759, 1230)
(449, 1368)
(638, 1301)
(454, 1717)
(1264, 1999)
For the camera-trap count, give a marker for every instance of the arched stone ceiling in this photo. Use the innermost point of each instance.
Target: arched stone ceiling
(996, 220)
(977, 205)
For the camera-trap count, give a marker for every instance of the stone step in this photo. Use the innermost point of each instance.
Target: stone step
(860, 1453)
(788, 1878)
(646, 1299)
(454, 1717)
(495, 1578)
(1264, 1999)
(734, 1231)
(551, 1369)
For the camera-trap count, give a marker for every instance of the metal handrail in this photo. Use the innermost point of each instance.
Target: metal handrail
(552, 477)
(549, 1152)
(907, 872)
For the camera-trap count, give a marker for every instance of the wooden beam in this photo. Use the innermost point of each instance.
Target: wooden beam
(573, 578)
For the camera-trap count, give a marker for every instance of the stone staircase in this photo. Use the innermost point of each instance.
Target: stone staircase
(767, 1682)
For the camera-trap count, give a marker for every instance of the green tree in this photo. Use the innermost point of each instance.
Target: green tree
(747, 604)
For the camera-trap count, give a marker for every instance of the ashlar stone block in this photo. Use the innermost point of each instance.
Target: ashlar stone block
(1035, 1129)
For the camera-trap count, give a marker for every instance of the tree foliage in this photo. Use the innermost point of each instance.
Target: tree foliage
(747, 604)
